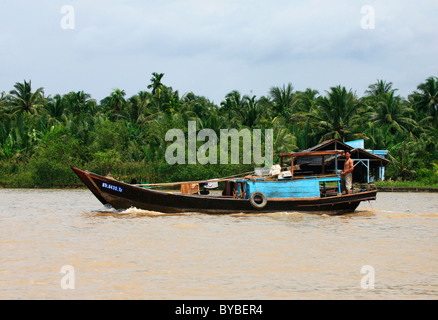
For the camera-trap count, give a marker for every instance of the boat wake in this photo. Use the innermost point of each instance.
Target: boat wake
(135, 212)
(140, 212)
(131, 212)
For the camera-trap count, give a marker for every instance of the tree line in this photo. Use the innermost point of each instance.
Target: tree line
(40, 136)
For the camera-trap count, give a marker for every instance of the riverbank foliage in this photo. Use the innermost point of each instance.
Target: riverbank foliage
(41, 136)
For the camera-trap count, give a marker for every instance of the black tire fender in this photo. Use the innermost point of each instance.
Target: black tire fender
(256, 205)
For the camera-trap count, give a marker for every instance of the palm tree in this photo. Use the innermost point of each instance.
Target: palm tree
(381, 87)
(403, 156)
(156, 84)
(55, 106)
(231, 105)
(283, 99)
(117, 99)
(23, 99)
(283, 140)
(243, 110)
(393, 113)
(426, 99)
(137, 107)
(332, 116)
(171, 103)
(80, 103)
(203, 110)
(200, 106)
(251, 112)
(3, 108)
(2, 99)
(22, 135)
(303, 103)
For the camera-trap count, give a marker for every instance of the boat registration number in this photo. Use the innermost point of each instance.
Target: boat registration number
(111, 187)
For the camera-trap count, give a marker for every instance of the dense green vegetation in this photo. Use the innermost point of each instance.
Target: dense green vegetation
(40, 136)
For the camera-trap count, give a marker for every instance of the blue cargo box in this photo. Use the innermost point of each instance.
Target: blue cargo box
(286, 188)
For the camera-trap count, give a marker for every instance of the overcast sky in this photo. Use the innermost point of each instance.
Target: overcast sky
(211, 47)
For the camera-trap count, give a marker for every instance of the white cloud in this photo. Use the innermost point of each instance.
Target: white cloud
(213, 47)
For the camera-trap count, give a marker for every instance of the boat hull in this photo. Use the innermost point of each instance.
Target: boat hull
(121, 195)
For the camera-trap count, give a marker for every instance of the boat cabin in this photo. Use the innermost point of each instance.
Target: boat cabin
(369, 165)
(288, 181)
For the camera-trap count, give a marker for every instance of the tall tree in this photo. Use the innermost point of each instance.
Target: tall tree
(305, 100)
(80, 103)
(23, 99)
(2, 99)
(425, 100)
(243, 110)
(230, 107)
(170, 101)
(55, 108)
(332, 116)
(3, 108)
(403, 156)
(393, 113)
(381, 87)
(283, 98)
(251, 112)
(156, 84)
(140, 107)
(117, 99)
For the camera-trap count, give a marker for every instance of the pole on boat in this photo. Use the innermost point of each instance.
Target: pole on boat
(292, 167)
(323, 165)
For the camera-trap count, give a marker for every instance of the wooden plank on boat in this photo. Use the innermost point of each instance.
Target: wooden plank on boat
(311, 154)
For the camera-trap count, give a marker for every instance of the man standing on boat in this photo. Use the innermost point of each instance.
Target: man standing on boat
(347, 173)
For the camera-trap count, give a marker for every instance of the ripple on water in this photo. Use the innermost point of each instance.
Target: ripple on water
(139, 254)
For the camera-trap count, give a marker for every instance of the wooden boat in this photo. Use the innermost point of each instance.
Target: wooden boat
(251, 194)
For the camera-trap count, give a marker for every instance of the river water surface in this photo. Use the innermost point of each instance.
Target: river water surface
(136, 254)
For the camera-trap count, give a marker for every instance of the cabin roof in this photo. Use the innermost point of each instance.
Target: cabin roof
(362, 154)
(331, 144)
(337, 147)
